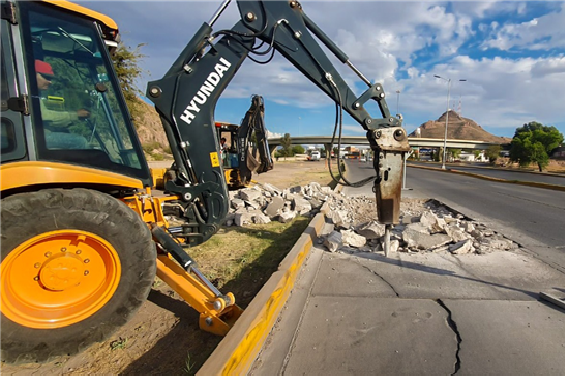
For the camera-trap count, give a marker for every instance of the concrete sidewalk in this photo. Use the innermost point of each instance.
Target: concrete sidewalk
(418, 313)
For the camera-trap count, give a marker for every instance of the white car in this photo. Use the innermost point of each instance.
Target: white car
(314, 156)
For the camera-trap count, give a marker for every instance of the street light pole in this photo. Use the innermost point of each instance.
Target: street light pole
(446, 118)
(397, 99)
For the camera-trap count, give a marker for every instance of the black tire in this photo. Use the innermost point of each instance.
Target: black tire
(27, 215)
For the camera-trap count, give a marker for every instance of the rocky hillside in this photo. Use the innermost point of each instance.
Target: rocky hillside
(150, 131)
(458, 128)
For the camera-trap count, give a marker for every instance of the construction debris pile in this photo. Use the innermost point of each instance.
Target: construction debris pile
(265, 203)
(426, 225)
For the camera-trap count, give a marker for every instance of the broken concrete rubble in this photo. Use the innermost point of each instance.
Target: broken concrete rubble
(425, 225)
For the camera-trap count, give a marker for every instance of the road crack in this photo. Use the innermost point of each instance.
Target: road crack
(378, 275)
(453, 327)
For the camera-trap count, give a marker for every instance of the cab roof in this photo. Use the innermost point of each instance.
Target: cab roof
(88, 13)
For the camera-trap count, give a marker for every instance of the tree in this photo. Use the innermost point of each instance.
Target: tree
(438, 154)
(532, 143)
(336, 152)
(493, 152)
(126, 63)
(297, 149)
(286, 143)
(455, 153)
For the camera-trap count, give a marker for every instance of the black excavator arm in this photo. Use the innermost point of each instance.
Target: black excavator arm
(186, 96)
(254, 121)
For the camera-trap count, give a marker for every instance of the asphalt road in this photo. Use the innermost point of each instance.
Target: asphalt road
(533, 217)
(504, 174)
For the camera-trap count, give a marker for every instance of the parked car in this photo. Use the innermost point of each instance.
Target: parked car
(314, 155)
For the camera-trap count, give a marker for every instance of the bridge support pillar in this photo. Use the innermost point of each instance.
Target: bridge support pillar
(272, 150)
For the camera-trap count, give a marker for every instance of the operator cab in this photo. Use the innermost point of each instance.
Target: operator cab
(229, 152)
(57, 57)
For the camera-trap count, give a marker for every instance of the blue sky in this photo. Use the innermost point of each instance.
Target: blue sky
(512, 55)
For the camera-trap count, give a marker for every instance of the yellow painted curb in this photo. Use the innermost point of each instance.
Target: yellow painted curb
(553, 187)
(238, 350)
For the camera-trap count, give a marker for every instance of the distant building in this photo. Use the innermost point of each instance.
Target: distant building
(558, 153)
(470, 156)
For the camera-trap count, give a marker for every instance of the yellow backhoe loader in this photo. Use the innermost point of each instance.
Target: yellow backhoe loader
(82, 237)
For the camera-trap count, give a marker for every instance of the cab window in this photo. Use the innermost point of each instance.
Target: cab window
(78, 116)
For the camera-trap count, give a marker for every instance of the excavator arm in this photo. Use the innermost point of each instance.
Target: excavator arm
(186, 96)
(254, 121)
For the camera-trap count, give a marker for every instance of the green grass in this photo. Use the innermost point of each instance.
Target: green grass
(242, 259)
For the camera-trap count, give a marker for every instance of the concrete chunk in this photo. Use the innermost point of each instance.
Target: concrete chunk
(333, 241)
(464, 246)
(249, 194)
(301, 205)
(253, 204)
(286, 216)
(371, 230)
(349, 237)
(237, 203)
(274, 207)
(261, 218)
(431, 221)
(421, 240)
(243, 218)
(456, 233)
(274, 191)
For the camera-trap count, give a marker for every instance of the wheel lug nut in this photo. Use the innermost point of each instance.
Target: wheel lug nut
(36, 265)
(47, 254)
(63, 249)
(36, 279)
(79, 252)
(86, 272)
(86, 261)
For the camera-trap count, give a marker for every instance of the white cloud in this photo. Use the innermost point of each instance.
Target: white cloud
(549, 66)
(543, 33)
(499, 92)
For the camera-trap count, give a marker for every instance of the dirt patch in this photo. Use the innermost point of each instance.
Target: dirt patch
(163, 337)
(294, 172)
(554, 165)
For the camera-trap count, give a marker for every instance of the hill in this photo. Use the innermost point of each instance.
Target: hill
(458, 128)
(150, 130)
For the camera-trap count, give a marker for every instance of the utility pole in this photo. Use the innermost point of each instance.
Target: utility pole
(446, 118)
(397, 100)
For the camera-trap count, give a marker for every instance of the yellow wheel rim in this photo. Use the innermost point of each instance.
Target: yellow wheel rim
(58, 278)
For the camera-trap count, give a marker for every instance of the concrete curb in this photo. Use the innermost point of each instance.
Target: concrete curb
(238, 350)
(553, 187)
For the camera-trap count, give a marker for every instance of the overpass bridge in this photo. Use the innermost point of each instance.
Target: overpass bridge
(362, 140)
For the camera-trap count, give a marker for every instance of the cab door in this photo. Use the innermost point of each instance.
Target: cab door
(14, 111)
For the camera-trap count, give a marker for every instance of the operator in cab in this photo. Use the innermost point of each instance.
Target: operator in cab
(45, 75)
(55, 122)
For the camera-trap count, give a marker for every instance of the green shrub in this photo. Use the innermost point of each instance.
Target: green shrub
(148, 147)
